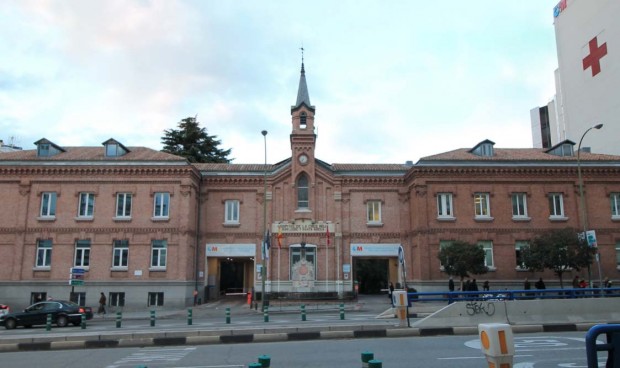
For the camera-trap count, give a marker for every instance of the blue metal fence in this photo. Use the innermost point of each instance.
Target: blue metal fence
(612, 346)
(454, 296)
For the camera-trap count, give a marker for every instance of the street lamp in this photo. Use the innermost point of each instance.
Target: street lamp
(582, 200)
(263, 269)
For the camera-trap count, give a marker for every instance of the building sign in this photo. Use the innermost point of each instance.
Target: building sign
(559, 8)
(231, 250)
(319, 227)
(379, 250)
(591, 238)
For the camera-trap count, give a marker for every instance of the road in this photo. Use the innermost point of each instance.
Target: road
(542, 350)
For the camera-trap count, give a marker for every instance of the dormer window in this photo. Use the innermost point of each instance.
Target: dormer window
(114, 148)
(45, 148)
(562, 149)
(302, 121)
(483, 149)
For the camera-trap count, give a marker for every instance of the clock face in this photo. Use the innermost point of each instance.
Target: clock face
(303, 159)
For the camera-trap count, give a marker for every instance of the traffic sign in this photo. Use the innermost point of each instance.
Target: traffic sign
(76, 282)
(77, 270)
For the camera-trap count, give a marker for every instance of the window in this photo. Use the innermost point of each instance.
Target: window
(120, 253)
(231, 212)
(481, 203)
(487, 245)
(519, 245)
(86, 205)
(43, 150)
(303, 271)
(373, 212)
(158, 254)
(519, 205)
(444, 205)
(615, 205)
(161, 205)
(118, 299)
(302, 121)
(48, 204)
(44, 253)
(302, 192)
(156, 299)
(82, 253)
(78, 298)
(556, 205)
(123, 205)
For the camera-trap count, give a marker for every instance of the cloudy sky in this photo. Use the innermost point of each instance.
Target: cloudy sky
(391, 80)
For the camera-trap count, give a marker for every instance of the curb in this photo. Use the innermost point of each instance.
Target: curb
(211, 337)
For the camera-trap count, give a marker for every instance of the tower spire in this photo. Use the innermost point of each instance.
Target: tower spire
(302, 91)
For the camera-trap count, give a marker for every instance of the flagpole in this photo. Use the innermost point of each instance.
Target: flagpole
(327, 264)
(279, 249)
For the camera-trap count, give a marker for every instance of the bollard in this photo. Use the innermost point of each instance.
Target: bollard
(152, 318)
(189, 316)
(497, 344)
(83, 321)
(341, 311)
(119, 319)
(48, 323)
(375, 364)
(266, 314)
(303, 312)
(265, 361)
(227, 315)
(367, 356)
(255, 365)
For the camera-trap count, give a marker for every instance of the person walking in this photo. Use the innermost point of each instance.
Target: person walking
(540, 284)
(102, 303)
(485, 285)
(451, 284)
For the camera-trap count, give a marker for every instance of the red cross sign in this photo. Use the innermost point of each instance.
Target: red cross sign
(593, 60)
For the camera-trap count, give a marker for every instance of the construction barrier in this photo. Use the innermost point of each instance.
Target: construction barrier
(612, 346)
(400, 302)
(497, 344)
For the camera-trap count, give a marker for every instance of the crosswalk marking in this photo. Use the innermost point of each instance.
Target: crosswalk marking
(164, 355)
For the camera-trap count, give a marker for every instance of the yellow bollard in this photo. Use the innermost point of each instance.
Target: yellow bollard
(497, 344)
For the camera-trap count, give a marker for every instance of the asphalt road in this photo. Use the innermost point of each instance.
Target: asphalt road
(542, 350)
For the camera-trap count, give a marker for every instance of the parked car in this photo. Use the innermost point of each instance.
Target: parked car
(63, 313)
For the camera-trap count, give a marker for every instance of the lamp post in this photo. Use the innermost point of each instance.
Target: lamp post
(263, 269)
(582, 200)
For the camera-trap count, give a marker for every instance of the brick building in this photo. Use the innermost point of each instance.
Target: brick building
(150, 227)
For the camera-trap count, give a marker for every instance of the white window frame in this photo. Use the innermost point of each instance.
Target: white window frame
(155, 299)
(159, 254)
(116, 299)
(123, 205)
(487, 245)
(445, 207)
(48, 204)
(482, 205)
(82, 254)
(120, 254)
(519, 245)
(556, 206)
(161, 205)
(231, 211)
(303, 191)
(44, 253)
(86, 205)
(519, 205)
(614, 199)
(373, 212)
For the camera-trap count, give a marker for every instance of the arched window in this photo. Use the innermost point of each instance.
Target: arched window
(302, 191)
(302, 121)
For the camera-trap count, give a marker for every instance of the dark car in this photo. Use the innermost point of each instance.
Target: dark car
(62, 312)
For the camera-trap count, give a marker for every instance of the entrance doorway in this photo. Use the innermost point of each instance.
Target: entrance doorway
(231, 277)
(371, 274)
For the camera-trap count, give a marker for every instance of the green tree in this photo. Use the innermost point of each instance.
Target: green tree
(558, 250)
(461, 258)
(192, 142)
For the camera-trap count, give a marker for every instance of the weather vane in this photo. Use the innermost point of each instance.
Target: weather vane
(302, 52)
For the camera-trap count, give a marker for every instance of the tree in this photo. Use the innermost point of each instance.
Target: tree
(558, 250)
(192, 142)
(461, 258)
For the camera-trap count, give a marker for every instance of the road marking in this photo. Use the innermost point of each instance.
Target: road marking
(168, 355)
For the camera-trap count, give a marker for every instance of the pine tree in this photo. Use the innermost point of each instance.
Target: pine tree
(192, 142)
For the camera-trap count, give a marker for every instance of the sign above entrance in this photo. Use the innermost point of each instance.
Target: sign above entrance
(318, 227)
(231, 250)
(383, 250)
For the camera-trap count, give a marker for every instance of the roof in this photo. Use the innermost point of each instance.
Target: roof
(512, 155)
(78, 154)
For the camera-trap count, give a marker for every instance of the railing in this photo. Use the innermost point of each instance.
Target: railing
(612, 346)
(454, 296)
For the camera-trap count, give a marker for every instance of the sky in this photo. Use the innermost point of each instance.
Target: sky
(392, 81)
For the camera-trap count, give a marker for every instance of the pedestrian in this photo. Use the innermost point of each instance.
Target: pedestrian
(540, 284)
(195, 297)
(576, 282)
(485, 286)
(451, 284)
(467, 285)
(391, 293)
(583, 284)
(473, 286)
(102, 302)
(526, 284)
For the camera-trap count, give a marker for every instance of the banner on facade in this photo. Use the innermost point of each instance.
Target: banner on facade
(231, 250)
(308, 227)
(379, 250)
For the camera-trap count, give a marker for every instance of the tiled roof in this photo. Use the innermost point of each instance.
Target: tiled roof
(234, 167)
(92, 154)
(370, 167)
(514, 154)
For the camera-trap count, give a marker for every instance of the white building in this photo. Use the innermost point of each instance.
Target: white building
(587, 77)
